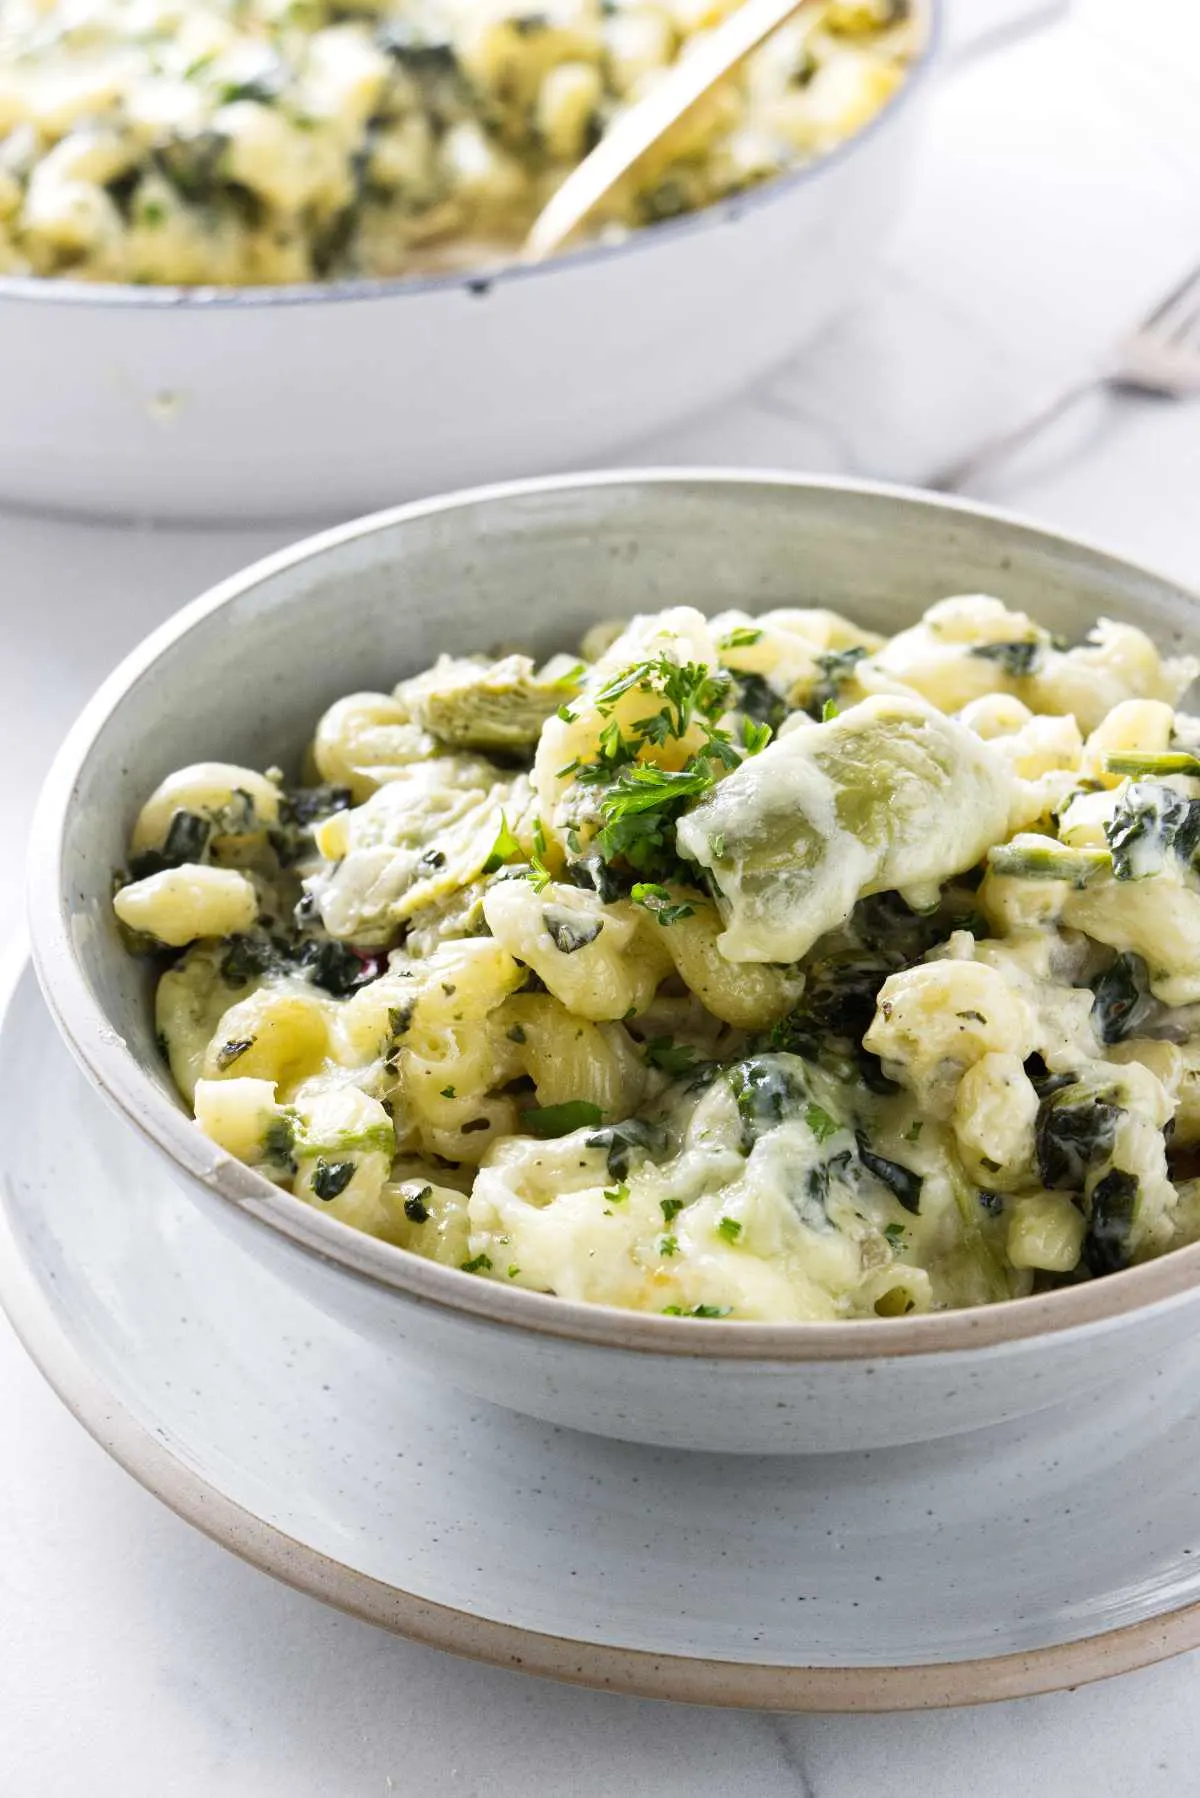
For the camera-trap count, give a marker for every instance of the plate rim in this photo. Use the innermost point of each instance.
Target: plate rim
(195, 1498)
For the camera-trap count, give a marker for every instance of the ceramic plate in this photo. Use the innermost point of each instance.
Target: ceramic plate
(1012, 1561)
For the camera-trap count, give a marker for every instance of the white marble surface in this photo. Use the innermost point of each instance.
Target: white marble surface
(1060, 193)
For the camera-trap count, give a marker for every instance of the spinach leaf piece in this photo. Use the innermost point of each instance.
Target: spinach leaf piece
(766, 1089)
(570, 930)
(1075, 1131)
(1112, 1209)
(1149, 822)
(626, 1139)
(1122, 997)
(1016, 659)
(901, 1182)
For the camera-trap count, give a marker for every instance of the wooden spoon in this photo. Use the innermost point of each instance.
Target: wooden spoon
(641, 127)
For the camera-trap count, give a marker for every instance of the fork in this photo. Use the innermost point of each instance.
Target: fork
(1160, 356)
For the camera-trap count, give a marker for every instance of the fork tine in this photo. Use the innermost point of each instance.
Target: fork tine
(1178, 296)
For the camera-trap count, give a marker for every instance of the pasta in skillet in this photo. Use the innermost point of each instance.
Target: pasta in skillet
(236, 142)
(747, 967)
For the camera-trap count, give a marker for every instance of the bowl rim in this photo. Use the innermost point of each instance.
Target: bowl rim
(213, 1175)
(478, 281)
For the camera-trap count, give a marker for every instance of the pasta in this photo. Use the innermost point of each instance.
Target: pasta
(748, 967)
(240, 142)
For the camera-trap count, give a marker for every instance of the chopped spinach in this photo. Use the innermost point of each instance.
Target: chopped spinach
(331, 1178)
(1016, 659)
(334, 968)
(593, 874)
(186, 840)
(901, 1182)
(1148, 823)
(766, 1089)
(305, 805)
(1122, 998)
(624, 1140)
(836, 667)
(415, 1208)
(758, 701)
(1111, 1212)
(570, 930)
(697, 1311)
(1075, 1131)
(279, 1142)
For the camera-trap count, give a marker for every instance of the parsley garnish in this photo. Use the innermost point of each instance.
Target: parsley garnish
(617, 1195)
(513, 1270)
(729, 1229)
(504, 849)
(670, 1208)
(820, 1122)
(829, 711)
(657, 900)
(447, 1092)
(755, 737)
(478, 1264)
(560, 1120)
(895, 1234)
(741, 638)
(668, 1245)
(663, 1052)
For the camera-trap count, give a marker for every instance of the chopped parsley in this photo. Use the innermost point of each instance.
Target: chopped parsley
(478, 1264)
(673, 1058)
(668, 1245)
(447, 1092)
(657, 900)
(741, 638)
(895, 1234)
(617, 1195)
(560, 1120)
(819, 1121)
(506, 848)
(728, 1229)
(670, 1208)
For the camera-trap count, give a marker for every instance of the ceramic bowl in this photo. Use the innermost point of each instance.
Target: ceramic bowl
(244, 672)
(321, 401)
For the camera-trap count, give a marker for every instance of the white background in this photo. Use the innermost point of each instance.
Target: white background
(1059, 194)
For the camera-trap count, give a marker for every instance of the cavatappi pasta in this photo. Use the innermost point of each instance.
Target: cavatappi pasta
(748, 967)
(233, 142)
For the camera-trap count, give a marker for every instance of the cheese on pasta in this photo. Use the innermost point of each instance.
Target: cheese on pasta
(747, 967)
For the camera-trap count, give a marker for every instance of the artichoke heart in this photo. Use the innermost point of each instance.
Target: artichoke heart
(415, 843)
(890, 795)
(476, 704)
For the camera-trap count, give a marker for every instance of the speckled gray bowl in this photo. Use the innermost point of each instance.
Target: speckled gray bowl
(243, 673)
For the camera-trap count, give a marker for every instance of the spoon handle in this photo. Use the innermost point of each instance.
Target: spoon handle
(642, 126)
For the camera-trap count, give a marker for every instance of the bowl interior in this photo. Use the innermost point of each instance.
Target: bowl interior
(244, 673)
